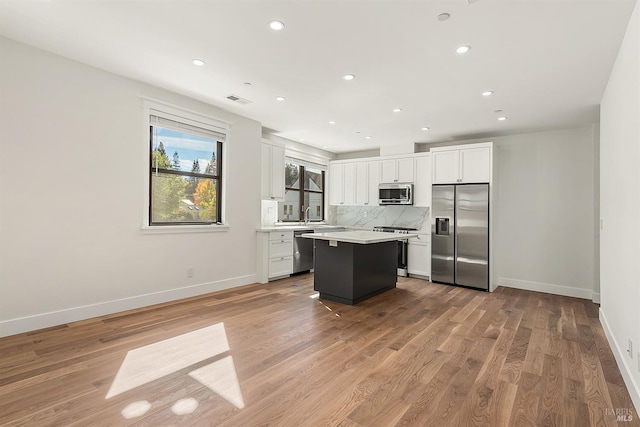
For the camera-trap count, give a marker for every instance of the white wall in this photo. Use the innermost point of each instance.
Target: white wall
(620, 207)
(73, 147)
(544, 218)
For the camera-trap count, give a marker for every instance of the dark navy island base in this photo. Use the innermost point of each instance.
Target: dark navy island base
(349, 272)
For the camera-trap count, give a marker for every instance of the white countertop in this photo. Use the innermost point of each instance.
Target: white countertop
(299, 227)
(361, 237)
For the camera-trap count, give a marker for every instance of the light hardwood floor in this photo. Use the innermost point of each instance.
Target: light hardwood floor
(422, 354)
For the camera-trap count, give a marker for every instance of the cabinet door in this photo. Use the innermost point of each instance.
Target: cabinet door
(422, 183)
(419, 258)
(336, 184)
(349, 183)
(280, 266)
(280, 248)
(475, 164)
(404, 170)
(362, 183)
(374, 181)
(446, 167)
(388, 171)
(277, 173)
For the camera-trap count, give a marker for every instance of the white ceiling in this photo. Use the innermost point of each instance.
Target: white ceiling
(548, 61)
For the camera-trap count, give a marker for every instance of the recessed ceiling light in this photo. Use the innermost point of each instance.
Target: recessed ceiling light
(397, 110)
(332, 122)
(502, 119)
(444, 16)
(367, 137)
(198, 62)
(279, 98)
(487, 93)
(349, 76)
(425, 128)
(276, 25)
(463, 49)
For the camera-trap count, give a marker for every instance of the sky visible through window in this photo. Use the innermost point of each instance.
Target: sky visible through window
(189, 147)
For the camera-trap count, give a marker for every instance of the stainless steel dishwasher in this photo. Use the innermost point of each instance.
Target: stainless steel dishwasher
(302, 252)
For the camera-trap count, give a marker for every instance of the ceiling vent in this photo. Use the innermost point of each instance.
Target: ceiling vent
(236, 98)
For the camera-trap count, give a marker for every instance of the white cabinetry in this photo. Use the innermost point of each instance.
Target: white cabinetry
(422, 182)
(374, 180)
(272, 184)
(362, 183)
(462, 164)
(367, 176)
(280, 253)
(342, 183)
(419, 256)
(397, 170)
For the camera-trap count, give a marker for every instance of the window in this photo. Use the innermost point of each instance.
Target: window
(304, 188)
(185, 171)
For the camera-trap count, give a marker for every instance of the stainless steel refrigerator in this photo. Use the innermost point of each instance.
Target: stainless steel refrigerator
(460, 235)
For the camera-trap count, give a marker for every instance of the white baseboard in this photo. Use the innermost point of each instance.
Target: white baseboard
(546, 288)
(595, 297)
(53, 318)
(623, 363)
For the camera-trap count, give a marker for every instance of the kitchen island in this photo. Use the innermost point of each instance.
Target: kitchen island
(351, 266)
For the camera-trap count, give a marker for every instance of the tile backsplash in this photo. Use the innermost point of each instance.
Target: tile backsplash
(367, 217)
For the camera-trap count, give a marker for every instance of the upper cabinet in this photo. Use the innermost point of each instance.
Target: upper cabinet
(272, 183)
(462, 163)
(397, 170)
(422, 183)
(342, 183)
(354, 183)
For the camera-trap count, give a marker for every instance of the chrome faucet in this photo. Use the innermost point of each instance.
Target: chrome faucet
(306, 215)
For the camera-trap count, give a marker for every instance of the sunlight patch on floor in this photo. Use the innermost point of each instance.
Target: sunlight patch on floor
(185, 406)
(220, 377)
(154, 361)
(136, 409)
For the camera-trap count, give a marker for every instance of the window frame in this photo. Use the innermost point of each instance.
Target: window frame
(302, 166)
(167, 111)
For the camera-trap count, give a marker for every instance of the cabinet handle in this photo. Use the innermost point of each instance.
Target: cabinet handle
(272, 197)
(282, 259)
(281, 241)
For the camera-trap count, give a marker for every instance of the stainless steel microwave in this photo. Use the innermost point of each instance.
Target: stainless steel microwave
(395, 194)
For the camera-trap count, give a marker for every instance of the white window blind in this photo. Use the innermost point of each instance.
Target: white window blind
(194, 129)
(306, 164)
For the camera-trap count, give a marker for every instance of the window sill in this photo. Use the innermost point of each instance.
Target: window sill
(178, 229)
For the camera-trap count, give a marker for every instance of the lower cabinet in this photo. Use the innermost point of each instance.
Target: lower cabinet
(280, 253)
(419, 256)
(280, 266)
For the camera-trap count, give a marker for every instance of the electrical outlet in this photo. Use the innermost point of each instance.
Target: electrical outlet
(189, 271)
(630, 348)
(365, 213)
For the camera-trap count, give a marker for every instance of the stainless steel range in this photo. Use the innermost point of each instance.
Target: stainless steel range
(403, 245)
